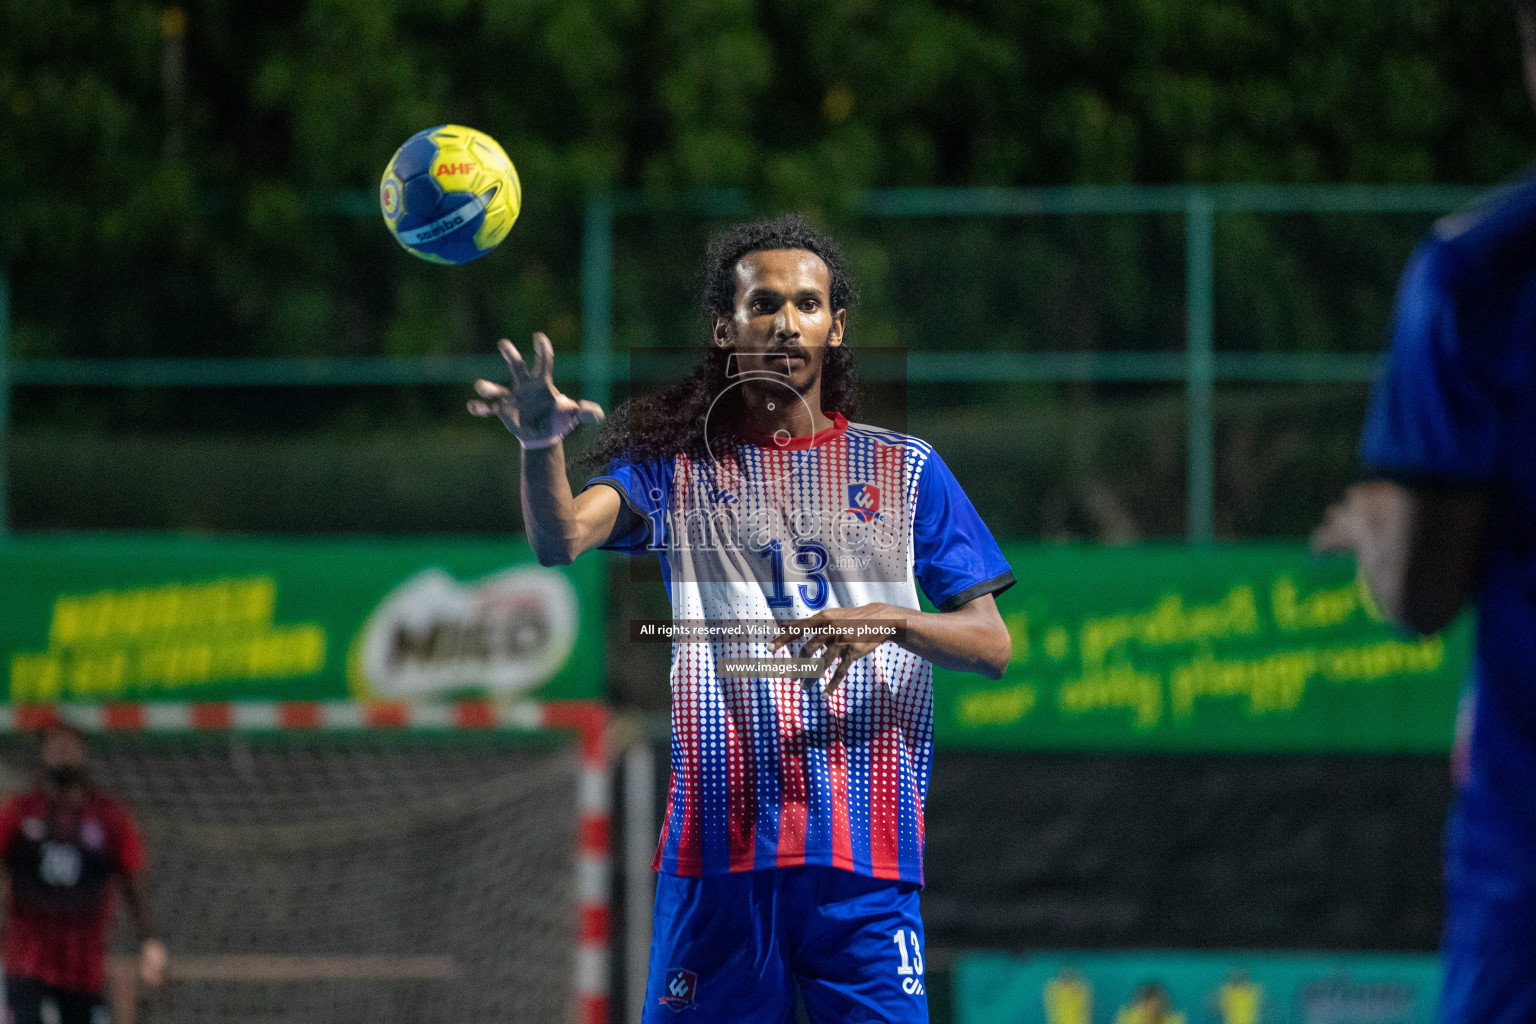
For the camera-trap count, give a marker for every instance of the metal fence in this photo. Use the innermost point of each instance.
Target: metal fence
(1199, 366)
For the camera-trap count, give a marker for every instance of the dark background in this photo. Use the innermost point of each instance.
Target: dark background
(167, 188)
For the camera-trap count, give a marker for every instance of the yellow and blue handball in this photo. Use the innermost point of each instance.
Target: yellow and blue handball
(450, 195)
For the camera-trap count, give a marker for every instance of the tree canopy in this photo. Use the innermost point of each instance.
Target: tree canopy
(104, 171)
(164, 177)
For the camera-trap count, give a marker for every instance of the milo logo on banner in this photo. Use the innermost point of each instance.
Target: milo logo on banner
(510, 631)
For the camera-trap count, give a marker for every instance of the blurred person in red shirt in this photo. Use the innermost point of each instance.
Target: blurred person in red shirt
(67, 847)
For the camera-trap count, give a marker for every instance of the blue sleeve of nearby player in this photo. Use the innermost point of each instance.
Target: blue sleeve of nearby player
(954, 556)
(1435, 412)
(644, 488)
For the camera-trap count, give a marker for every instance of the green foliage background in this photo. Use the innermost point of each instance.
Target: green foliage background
(134, 226)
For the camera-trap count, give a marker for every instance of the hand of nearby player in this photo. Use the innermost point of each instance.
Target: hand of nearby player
(533, 409)
(1345, 524)
(843, 651)
(152, 962)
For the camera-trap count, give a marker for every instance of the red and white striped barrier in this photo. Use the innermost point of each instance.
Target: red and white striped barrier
(588, 719)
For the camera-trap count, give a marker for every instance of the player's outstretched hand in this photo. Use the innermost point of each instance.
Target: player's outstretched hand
(1346, 522)
(533, 409)
(842, 652)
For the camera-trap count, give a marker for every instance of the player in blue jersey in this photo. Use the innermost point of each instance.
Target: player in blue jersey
(791, 853)
(1447, 514)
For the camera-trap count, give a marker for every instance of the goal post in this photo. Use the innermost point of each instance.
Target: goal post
(373, 862)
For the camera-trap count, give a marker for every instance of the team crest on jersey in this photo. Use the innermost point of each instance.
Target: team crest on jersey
(679, 989)
(864, 501)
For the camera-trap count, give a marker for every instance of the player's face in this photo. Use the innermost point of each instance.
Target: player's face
(783, 322)
(63, 757)
(63, 749)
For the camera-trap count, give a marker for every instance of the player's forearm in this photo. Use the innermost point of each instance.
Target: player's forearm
(969, 639)
(1417, 551)
(1381, 560)
(549, 508)
(138, 907)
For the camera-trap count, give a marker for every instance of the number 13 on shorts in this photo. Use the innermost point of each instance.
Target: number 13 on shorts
(911, 967)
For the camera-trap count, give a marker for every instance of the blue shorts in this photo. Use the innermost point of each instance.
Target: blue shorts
(734, 948)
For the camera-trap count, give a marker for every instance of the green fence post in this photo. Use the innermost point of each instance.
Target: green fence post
(1199, 315)
(597, 301)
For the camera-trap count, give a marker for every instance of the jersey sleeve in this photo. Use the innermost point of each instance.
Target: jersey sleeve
(954, 555)
(10, 825)
(128, 846)
(645, 490)
(1436, 410)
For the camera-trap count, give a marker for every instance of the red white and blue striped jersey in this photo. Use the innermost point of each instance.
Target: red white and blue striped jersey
(765, 773)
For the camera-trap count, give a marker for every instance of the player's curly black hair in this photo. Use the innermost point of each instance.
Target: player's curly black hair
(660, 426)
(790, 231)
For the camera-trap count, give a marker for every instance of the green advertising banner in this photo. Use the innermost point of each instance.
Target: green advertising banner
(1247, 987)
(154, 618)
(1165, 648)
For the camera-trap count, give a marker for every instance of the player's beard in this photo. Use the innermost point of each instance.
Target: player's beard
(66, 776)
(811, 380)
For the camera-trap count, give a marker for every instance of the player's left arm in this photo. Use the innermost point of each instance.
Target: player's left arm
(132, 868)
(1418, 549)
(971, 638)
(1433, 447)
(152, 952)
